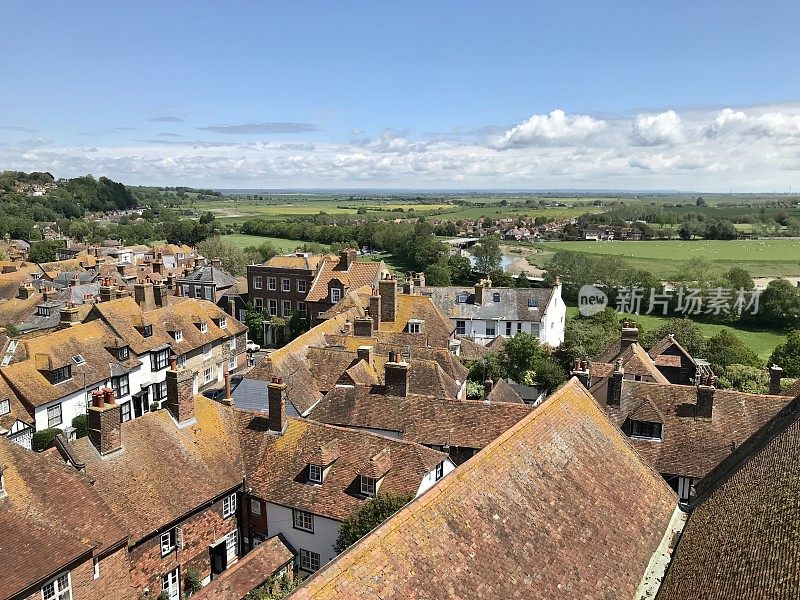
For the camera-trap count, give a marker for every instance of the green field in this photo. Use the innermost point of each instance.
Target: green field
(761, 341)
(762, 258)
(242, 241)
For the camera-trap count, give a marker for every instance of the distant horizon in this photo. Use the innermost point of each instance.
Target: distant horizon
(402, 96)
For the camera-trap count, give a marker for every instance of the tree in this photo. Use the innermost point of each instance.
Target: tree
(700, 201)
(739, 278)
(489, 365)
(779, 304)
(787, 355)
(585, 337)
(232, 257)
(726, 348)
(438, 275)
(275, 588)
(745, 378)
(487, 254)
(44, 252)
(687, 333)
(81, 425)
(41, 440)
(191, 582)
(254, 320)
(371, 514)
(460, 269)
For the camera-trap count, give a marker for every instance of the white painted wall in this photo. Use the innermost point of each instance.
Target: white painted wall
(430, 479)
(280, 520)
(554, 322)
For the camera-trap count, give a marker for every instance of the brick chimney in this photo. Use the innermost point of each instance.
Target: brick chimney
(396, 376)
(346, 259)
(26, 291)
(276, 399)
(775, 376)
(143, 292)
(69, 316)
(159, 293)
(580, 369)
(629, 335)
(105, 432)
(479, 292)
(108, 290)
(408, 285)
(232, 306)
(615, 385)
(180, 393)
(362, 327)
(418, 279)
(216, 262)
(365, 353)
(375, 309)
(705, 397)
(157, 265)
(488, 384)
(228, 399)
(388, 292)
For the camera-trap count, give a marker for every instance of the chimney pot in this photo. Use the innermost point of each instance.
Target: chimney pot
(775, 375)
(615, 385)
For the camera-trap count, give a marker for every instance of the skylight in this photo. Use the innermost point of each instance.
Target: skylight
(78, 359)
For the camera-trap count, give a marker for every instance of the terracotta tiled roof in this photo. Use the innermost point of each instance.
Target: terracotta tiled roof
(559, 506)
(35, 356)
(471, 350)
(16, 408)
(297, 261)
(429, 420)
(635, 361)
(793, 390)
(741, 541)
(51, 516)
(359, 274)
(667, 360)
(146, 488)
(249, 572)
(691, 446)
(503, 392)
(278, 465)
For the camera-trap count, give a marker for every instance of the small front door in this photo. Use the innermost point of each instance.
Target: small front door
(141, 403)
(172, 585)
(219, 559)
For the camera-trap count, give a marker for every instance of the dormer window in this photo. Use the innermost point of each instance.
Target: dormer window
(533, 303)
(336, 295)
(122, 353)
(147, 330)
(61, 374)
(415, 326)
(368, 485)
(5, 407)
(315, 473)
(647, 430)
(462, 298)
(223, 323)
(203, 326)
(496, 296)
(43, 311)
(178, 335)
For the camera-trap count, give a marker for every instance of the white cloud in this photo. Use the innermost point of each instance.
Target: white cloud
(655, 130)
(557, 129)
(747, 149)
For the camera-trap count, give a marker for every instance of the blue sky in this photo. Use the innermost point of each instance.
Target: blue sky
(407, 94)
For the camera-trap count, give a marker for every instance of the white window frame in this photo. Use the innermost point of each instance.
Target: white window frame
(169, 541)
(203, 327)
(95, 568)
(286, 284)
(258, 282)
(53, 407)
(286, 307)
(206, 350)
(198, 292)
(232, 546)
(273, 308)
(439, 471)
(315, 473)
(167, 580)
(228, 506)
(61, 590)
(5, 407)
(369, 485)
(301, 286)
(182, 361)
(207, 292)
(223, 323)
(178, 335)
(259, 304)
(272, 283)
(336, 295)
(301, 308)
(302, 520)
(232, 364)
(208, 375)
(308, 560)
(232, 344)
(185, 287)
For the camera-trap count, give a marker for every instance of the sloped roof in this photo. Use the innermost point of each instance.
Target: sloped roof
(503, 392)
(51, 516)
(430, 420)
(358, 275)
(168, 471)
(690, 446)
(559, 506)
(666, 343)
(216, 275)
(249, 572)
(635, 361)
(743, 538)
(302, 260)
(513, 303)
(278, 465)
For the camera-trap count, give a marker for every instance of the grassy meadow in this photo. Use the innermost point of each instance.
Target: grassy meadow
(243, 241)
(762, 258)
